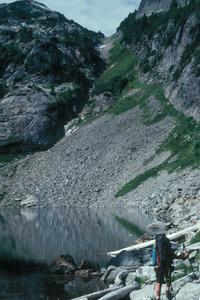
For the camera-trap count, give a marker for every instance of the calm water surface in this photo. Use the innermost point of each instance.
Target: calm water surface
(39, 236)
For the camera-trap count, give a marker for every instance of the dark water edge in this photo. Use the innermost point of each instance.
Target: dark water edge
(31, 239)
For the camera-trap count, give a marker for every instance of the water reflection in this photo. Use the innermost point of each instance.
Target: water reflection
(41, 235)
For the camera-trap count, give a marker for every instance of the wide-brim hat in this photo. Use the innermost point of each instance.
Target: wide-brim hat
(157, 228)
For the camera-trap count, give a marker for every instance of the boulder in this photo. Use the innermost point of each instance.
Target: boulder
(63, 265)
(146, 272)
(30, 117)
(178, 284)
(111, 274)
(89, 265)
(145, 293)
(130, 278)
(131, 259)
(191, 291)
(38, 56)
(121, 278)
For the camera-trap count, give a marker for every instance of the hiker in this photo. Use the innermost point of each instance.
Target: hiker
(163, 256)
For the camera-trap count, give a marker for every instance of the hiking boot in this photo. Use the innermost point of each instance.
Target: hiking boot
(169, 294)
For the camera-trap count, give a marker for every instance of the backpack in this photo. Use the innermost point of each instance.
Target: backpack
(163, 250)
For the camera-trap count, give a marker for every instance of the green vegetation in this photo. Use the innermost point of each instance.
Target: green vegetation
(131, 227)
(183, 144)
(10, 53)
(5, 158)
(66, 96)
(134, 29)
(131, 185)
(170, 23)
(117, 76)
(141, 280)
(184, 140)
(185, 270)
(26, 34)
(196, 238)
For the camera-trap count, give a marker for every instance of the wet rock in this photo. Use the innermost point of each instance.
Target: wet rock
(63, 265)
(88, 267)
(83, 273)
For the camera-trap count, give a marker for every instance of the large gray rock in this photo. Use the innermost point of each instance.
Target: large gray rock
(30, 116)
(41, 50)
(63, 265)
(146, 272)
(130, 279)
(111, 274)
(146, 293)
(166, 53)
(191, 291)
(147, 7)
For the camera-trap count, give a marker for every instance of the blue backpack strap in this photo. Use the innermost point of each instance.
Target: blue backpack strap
(154, 256)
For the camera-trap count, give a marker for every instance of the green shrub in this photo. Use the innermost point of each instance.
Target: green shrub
(65, 96)
(131, 185)
(10, 53)
(145, 65)
(196, 238)
(116, 77)
(141, 280)
(134, 30)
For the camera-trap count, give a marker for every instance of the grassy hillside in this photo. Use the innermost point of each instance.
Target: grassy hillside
(122, 79)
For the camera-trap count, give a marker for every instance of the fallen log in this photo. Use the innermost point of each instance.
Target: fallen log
(121, 293)
(193, 247)
(99, 294)
(173, 236)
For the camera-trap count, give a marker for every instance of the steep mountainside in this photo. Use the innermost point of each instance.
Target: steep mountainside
(138, 153)
(168, 47)
(47, 65)
(147, 7)
(142, 150)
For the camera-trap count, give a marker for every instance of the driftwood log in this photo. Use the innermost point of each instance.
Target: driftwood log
(173, 236)
(121, 293)
(99, 294)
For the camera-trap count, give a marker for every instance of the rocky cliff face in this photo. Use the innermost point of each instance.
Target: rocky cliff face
(168, 46)
(147, 7)
(47, 65)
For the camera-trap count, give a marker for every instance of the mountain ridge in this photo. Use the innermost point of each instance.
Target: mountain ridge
(148, 7)
(48, 64)
(128, 144)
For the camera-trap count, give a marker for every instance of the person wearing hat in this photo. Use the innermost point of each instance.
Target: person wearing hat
(163, 256)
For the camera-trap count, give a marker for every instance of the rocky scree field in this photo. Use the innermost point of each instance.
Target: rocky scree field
(136, 148)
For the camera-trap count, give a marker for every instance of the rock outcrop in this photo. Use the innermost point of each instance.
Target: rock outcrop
(147, 7)
(47, 65)
(168, 46)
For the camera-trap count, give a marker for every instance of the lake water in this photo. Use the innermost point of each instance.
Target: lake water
(39, 236)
